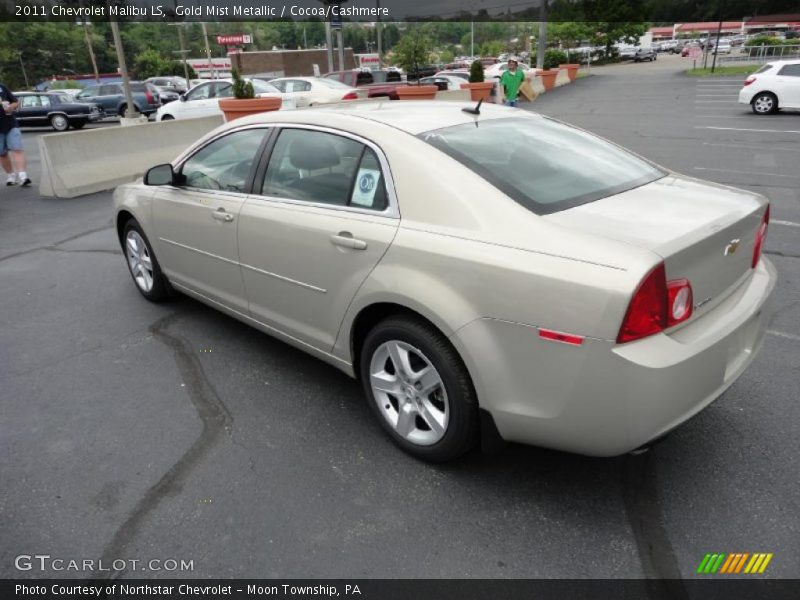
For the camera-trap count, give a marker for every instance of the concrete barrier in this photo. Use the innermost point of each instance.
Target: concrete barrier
(82, 162)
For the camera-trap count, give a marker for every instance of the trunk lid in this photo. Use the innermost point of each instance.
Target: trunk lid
(705, 232)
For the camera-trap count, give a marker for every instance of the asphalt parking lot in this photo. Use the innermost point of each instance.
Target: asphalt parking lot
(137, 431)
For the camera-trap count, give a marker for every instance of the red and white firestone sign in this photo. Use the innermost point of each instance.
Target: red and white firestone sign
(234, 39)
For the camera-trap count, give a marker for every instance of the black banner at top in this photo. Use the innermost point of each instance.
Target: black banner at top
(398, 10)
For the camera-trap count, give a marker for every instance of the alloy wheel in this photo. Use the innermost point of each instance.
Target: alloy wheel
(139, 261)
(764, 104)
(409, 392)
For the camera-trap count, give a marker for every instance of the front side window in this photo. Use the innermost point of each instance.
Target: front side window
(201, 92)
(45, 100)
(323, 168)
(89, 92)
(225, 163)
(544, 165)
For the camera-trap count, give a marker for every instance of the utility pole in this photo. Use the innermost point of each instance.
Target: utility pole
(340, 42)
(472, 40)
(541, 46)
(329, 45)
(88, 38)
(24, 73)
(379, 35)
(716, 46)
(183, 53)
(208, 52)
(130, 108)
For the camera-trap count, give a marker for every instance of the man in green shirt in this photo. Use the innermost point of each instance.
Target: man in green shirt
(511, 81)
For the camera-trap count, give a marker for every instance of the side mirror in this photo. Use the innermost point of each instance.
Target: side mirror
(183, 97)
(160, 175)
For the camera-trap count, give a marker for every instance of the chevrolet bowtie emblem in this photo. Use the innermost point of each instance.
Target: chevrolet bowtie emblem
(732, 246)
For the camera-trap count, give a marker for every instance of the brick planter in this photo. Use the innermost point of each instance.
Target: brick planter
(234, 108)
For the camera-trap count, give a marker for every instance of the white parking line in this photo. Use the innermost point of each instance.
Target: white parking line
(787, 223)
(788, 336)
(746, 172)
(756, 130)
(748, 146)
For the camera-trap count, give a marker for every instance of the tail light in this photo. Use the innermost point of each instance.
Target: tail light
(749, 80)
(148, 96)
(761, 235)
(350, 96)
(656, 305)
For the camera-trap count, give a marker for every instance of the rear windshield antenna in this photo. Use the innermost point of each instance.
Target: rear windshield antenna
(474, 111)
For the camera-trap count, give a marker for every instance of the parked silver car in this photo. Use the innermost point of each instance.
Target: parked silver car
(482, 275)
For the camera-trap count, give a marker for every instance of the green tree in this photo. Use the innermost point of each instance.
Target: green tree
(412, 51)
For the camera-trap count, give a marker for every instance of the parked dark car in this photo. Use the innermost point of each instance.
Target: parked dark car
(58, 111)
(111, 97)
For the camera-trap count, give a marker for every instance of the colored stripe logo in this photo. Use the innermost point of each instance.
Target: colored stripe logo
(736, 563)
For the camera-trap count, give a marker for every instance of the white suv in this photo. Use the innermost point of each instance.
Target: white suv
(775, 85)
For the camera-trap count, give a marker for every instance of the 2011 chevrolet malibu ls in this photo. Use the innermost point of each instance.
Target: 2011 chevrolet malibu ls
(480, 274)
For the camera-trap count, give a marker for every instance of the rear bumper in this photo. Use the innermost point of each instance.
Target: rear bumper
(605, 399)
(745, 96)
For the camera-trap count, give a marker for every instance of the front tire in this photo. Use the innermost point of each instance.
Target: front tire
(765, 103)
(419, 389)
(167, 118)
(59, 122)
(143, 265)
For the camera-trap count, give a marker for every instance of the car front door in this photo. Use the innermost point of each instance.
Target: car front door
(321, 216)
(789, 78)
(196, 221)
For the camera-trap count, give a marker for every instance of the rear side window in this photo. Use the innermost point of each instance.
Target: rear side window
(544, 165)
(765, 68)
(790, 70)
(323, 168)
(138, 87)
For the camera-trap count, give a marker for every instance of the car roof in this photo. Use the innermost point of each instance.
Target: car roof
(422, 116)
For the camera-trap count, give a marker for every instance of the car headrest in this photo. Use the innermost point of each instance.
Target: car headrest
(309, 154)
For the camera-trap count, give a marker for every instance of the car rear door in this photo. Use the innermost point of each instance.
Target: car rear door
(321, 216)
(196, 222)
(30, 111)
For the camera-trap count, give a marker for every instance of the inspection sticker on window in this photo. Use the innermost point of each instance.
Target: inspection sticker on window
(366, 186)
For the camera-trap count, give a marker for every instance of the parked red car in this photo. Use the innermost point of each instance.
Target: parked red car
(379, 84)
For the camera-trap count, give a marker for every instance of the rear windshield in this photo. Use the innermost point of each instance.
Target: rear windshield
(544, 165)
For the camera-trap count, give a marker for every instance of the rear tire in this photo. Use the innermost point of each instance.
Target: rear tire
(427, 405)
(167, 118)
(765, 103)
(143, 265)
(121, 110)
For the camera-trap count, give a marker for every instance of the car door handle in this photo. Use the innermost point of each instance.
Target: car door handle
(345, 239)
(221, 215)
